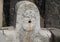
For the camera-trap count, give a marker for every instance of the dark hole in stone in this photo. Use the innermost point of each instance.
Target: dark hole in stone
(29, 21)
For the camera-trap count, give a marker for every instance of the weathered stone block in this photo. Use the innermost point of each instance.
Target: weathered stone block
(28, 27)
(28, 23)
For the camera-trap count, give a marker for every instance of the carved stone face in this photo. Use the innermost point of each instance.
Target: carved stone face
(27, 16)
(29, 20)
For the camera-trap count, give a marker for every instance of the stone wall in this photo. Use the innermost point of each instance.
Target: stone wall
(52, 12)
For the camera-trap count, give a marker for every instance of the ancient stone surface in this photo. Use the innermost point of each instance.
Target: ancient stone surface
(12, 10)
(6, 36)
(52, 11)
(39, 3)
(28, 23)
(41, 22)
(1, 12)
(56, 35)
(28, 27)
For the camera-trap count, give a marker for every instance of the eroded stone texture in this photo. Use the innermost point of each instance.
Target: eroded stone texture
(27, 25)
(52, 11)
(1, 12)
(6, 36)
